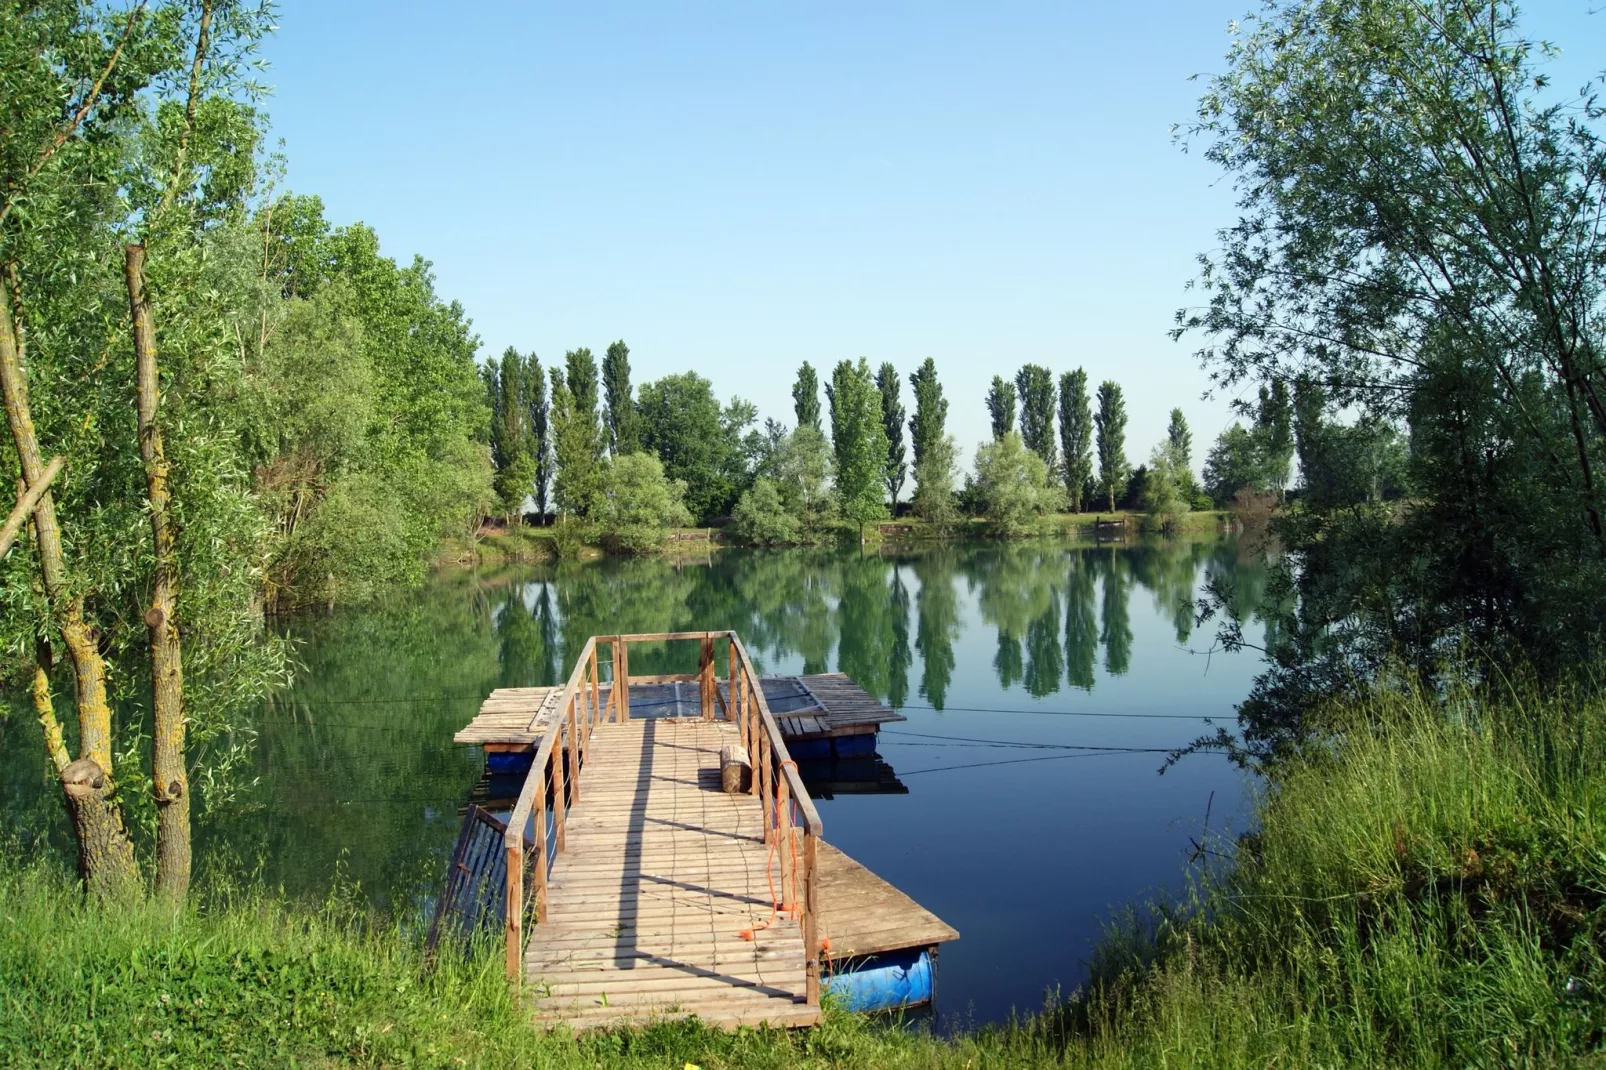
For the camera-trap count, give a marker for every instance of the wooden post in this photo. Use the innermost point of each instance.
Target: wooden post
(560, 807)
(596, 690)
(730, 686)
(705, 676)
(515, 913)
(574, 751)
(539, 816)
(811, 925)
(622, 682)
(766, 793)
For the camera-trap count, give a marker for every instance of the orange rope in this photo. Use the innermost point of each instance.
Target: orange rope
(769, 869)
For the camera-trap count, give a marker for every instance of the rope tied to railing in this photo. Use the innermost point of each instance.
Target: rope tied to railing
(782, 905)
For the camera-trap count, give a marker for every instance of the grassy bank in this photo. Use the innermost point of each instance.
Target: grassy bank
(1425, 889)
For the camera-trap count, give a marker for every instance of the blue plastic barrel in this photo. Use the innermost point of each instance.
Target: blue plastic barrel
(883, 982)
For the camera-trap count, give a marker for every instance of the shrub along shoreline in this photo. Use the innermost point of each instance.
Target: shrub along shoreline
(1425, 888)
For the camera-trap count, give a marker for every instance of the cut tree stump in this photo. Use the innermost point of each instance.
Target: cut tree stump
(735, 770)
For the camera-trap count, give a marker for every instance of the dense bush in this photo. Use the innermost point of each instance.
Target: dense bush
(639, 504)
(761, 518)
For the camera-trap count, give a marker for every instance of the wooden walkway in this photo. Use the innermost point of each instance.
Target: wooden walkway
(662, 874)
(655, 892)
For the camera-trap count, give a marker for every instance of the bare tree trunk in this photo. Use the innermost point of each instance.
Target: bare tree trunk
(168, 772)
(106, 857)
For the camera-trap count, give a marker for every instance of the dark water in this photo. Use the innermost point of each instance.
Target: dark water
(1008, 659)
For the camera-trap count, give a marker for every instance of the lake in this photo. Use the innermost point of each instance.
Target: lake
(1044, 684)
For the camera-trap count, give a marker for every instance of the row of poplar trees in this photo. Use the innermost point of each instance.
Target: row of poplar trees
(1085, 434)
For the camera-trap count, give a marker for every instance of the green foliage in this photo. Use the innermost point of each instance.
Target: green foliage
(802, 473)
(934, 477)
(639, 504)
(699, 443)
(806, 397)
(1076, 436)
(623, 436)
(1274, 431)
(859, 439)
(364, 371)
(892, 415)
(1014, 485)
(1235, 463)
(761, 517)
(1167, 488)
(579, 471)
(1034, 385)
(540, 410)
(513, 444)
(1418, 894)
(1179, 440)
(1342, 464)
(930, 420)
(1001, 406)
(1110, 423)
(1410, 193)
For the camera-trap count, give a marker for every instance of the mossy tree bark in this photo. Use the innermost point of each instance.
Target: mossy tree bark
(106, 856)
(168, 770)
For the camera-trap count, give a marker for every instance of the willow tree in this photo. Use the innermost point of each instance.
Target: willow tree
(1419, 234)
(135, 125)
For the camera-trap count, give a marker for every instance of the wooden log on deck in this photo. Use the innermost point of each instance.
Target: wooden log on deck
(735, 769)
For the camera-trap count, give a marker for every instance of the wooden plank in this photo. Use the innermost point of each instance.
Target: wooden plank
(861, 914)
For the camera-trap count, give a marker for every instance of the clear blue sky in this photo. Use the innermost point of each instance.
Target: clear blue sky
(735, 188)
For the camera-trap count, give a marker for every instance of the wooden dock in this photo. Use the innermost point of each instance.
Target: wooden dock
(816, 706)
(654, 892)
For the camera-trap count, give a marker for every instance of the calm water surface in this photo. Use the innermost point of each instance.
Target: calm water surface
(1010, 660)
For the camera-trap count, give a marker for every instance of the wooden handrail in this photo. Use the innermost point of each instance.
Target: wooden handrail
(783, 799)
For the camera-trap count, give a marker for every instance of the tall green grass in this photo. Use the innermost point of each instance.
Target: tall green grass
(1426, 887)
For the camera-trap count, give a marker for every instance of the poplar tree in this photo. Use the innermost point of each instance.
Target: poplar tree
(933, 449)
(1001, 406)
(512, 445)
(1076, 435)
(1034, 385)
(576, 438)
(1274, 428)
(1110, 422)
(806, 397)
(540, 436)
(1179, 440)
(929, 422)
(624, 435)
(859, 439)
(892, 418)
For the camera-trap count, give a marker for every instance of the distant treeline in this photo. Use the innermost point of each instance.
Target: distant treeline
(560, 433)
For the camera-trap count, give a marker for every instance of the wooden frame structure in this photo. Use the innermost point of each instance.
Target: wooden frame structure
(554, 782)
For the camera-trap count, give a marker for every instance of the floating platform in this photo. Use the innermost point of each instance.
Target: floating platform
(821, 715)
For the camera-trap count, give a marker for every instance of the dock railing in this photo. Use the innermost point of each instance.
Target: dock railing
(791, 824)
